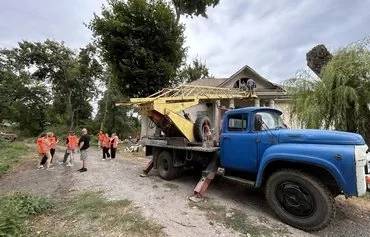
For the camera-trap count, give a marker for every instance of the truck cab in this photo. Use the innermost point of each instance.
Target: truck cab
(301, 170)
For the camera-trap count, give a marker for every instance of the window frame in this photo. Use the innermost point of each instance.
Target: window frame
(243, 117)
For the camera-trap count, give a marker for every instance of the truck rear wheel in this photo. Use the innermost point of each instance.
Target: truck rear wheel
(300, 200)
(165, 166)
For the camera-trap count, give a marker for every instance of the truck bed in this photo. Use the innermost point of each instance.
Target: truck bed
(177, 143)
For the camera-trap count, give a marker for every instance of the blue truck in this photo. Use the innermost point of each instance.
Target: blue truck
(301, 171)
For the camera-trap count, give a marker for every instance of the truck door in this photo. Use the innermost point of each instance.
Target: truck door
(238, 144)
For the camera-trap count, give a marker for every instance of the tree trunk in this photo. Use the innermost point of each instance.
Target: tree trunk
(177, 10)
(317, 58)
(70, 111)
(106, 105)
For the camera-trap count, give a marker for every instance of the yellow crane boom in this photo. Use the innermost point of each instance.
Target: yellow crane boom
(163, 107)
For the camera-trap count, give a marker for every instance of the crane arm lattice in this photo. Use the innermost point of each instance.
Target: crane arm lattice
(163, 107)
(189, 92)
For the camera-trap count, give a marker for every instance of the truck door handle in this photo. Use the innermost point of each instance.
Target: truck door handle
(226, 137)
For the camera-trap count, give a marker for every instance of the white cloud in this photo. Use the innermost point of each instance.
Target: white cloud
(273, 36)
(270, 36)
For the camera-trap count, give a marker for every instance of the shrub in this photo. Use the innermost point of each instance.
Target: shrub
(15, 207)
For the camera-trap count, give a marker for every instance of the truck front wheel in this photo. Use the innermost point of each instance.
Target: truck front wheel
(165, 166)
(300, 200)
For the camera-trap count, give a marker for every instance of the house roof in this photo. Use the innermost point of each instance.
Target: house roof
(222, 82)
(213, 82)
(246, 67)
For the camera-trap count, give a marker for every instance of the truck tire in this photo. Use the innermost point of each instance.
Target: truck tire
(199, 127)
(300, 200)
(165, 166)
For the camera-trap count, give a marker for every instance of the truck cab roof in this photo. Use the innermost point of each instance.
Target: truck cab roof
(252, 109)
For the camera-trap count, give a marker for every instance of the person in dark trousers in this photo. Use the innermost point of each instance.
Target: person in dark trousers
(83, 145)
(106, 146)
(113, 145)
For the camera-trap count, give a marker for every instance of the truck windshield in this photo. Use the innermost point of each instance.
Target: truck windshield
(272, 120)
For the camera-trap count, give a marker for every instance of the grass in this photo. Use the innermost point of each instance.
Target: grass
(239, 221)
(11, 154)
(90, 214)
(16, 207)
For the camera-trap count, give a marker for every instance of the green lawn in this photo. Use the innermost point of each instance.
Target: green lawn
(91, 214)
(11, 154)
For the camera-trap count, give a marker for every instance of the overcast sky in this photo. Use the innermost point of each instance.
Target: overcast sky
(270, 36)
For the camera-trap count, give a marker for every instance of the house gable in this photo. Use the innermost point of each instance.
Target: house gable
(262, 84)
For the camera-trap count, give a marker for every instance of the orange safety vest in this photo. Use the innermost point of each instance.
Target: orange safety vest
(106, 142)
(72, 142)
(39, 143)
(101, 137)
(45, 146)
(53, 142)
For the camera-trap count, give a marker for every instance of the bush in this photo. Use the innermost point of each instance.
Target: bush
(16, 207)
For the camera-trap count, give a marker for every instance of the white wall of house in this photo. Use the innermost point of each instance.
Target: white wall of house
(283, 106)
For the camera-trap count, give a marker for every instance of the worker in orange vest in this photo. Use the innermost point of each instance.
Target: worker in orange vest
(106, 146)
(113, 145)
(100, 139)
(53, 142)
(72, 143)
(43, 148)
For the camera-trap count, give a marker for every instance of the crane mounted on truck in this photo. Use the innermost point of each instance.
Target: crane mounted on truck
(302, 171)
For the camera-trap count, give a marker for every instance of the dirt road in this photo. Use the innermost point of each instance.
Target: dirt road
(166, 203)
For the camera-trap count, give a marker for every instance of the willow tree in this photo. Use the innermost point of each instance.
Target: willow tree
(340, 97)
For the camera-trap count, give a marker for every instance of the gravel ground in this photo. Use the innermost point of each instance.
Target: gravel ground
(167, 203)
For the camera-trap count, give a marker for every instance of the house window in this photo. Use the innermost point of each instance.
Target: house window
(240, 83)
(237, 122)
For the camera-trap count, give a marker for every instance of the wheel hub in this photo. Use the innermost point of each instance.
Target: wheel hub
(295, 199)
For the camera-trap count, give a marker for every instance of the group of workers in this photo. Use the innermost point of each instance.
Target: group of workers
(46, 144)
(107, 143)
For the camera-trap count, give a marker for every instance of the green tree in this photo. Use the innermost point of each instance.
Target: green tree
(23, 100)
(194, 71)
(193, 7)
(113, 118)
(72, 76)
(141, 42)
(341, 96)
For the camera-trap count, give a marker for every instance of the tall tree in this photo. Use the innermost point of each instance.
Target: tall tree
(23, 100)
(72, 76)
(193, 7)
(141, 42)
(194, 71)
(340, 98)
(116, 119)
